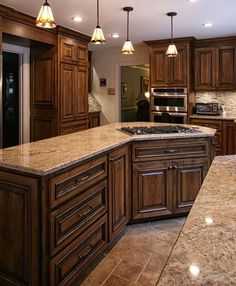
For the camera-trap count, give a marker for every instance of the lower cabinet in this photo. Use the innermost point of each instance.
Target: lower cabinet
(152, 183)
(187, 178)
(166, 187)
(118, 191)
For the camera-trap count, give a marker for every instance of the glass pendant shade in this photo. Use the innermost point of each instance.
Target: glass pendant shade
(172, 51)
(128, 48)
(98, 36)
(45, 17)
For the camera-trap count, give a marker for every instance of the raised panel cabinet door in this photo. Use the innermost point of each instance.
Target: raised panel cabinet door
(178, 68)
(20, 231)
(229, 137)
(152, 187)
(159, 67)
(118, 191)
(68, 87)
(225, 67)
(205, 68)
(67, 49)
(188, 176)
(80, 100)
(82, 54)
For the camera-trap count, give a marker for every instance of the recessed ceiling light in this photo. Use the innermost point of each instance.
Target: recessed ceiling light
(77, 18)
(192, 0)
(207, 25)
(115, 35)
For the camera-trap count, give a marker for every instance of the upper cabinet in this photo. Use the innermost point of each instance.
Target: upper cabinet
(215, 68)
(166, 71)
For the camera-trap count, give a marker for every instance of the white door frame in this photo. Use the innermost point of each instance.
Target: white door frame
(118, 83)
(24, 91)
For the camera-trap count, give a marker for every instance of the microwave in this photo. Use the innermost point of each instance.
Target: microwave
(207, 108)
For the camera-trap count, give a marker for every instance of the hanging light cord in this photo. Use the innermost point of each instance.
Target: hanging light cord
(171, 29)
(97, 12)
(128, 26)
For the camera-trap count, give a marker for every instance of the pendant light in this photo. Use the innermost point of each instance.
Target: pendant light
(127, 47)
(98, 36)
(45, 17)
(172, 50)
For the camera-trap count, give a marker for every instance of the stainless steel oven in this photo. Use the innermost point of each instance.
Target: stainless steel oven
(169, 99)
(169, 117)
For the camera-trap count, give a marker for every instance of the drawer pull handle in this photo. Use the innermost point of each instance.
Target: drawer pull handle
(175, 167)
(171, 151)
(86, 212)
(88, 248)
(82, 179)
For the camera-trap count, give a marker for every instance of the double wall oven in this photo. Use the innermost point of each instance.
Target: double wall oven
(169, 105)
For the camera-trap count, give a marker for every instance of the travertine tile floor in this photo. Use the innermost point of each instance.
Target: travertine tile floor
(139, 256)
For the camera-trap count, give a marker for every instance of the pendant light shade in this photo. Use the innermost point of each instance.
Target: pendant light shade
(45, 17)
(98, 36)
(128, 48)
(172, 50)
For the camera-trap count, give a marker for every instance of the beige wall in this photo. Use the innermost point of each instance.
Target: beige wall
(106, 64)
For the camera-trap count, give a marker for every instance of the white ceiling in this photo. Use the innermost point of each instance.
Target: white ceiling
(148, 21)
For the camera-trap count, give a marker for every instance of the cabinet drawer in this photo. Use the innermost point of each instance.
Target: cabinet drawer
(71, 220)
(68, 264)
(71, 183)
(168, 150)
(216, 124)
(74, 126)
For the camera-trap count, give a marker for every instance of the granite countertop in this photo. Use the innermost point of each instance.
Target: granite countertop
(220, 117)
(205, 252)
(46, 156)
(94, 105)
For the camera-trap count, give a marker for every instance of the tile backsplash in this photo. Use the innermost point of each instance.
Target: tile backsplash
(227, 98)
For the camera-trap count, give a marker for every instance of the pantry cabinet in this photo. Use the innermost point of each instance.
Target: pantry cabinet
(215, 68)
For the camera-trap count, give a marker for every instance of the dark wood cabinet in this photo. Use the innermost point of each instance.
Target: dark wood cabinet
(167, 176)
(188, 176)
(225, 137)
(118, 191)
(152, 184)
(229, 137)
(94, 119)
(73, 74)
(168, 71)
(205, 68)
(215, 68)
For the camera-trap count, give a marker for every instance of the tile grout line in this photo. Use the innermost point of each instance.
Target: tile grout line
(111, 272)
(143, 268)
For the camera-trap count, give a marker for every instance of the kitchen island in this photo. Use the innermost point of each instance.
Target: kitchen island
(205, 253)
(64, 200)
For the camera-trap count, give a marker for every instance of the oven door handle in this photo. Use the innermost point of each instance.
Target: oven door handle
(176, 114)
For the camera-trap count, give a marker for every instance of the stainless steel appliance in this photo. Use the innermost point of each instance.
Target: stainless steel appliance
(169, 99)
(169, 117)
(169, 105)
(207, 108)
(168, 129)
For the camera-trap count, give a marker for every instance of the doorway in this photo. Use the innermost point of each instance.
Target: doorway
(15, 109)
(135, 93)
(10, 99)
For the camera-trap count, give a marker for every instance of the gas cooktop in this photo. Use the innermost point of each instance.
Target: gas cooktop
(169, 129)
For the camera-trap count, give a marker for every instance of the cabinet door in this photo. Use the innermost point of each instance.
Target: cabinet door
(80, 100)
(152, 183)
(225, 67)
(82, 54)
(178, 68)
(67, 49)
(188, 176)
(204, 68)
(229, 137)
(68, 88)
(159, 67)
(118, 191)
